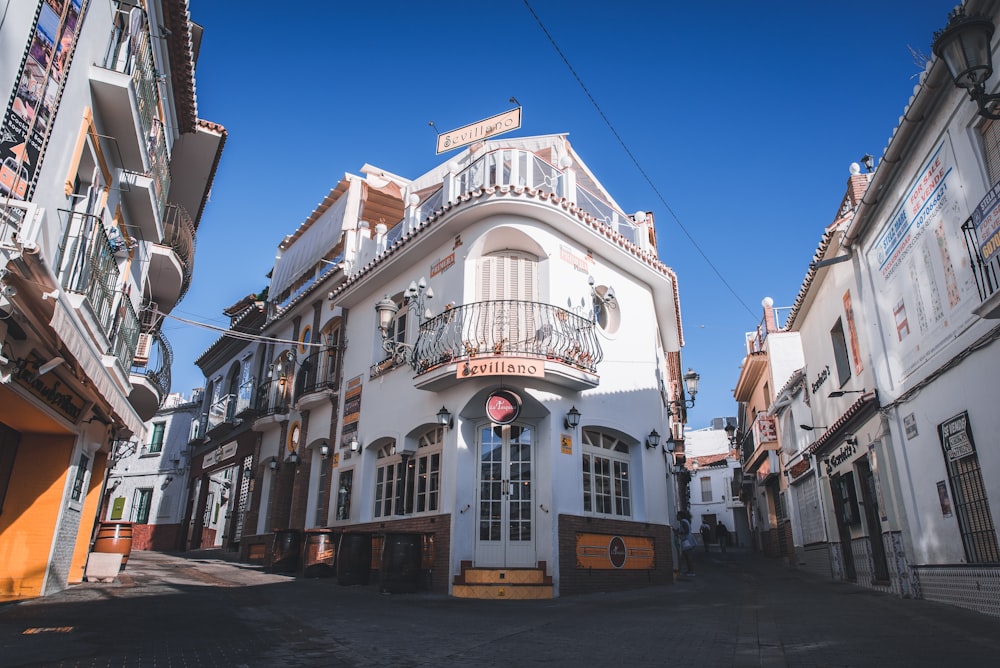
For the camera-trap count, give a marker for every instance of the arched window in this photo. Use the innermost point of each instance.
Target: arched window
(409, 484)
(607, 489)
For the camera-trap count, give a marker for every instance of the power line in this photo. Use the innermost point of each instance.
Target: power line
(233, 334)
(632, 157)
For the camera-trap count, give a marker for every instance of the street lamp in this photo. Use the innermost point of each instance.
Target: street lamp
(691, 384)
(964, 45)
(653, 440)
(386, 309)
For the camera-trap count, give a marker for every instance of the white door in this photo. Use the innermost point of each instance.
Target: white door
(505, 537)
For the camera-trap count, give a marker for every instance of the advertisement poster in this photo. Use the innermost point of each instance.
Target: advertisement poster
(35, 99)
(918, 276)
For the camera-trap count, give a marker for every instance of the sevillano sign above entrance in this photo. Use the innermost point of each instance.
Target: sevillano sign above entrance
(484, 129)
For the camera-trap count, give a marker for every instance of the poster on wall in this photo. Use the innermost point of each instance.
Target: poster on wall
(33, 103)
(918, 276)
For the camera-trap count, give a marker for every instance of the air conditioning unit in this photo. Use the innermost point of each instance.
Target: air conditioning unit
(148, 316)
(142, 349)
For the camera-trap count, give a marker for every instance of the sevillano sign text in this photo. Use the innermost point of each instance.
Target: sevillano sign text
(484, 129)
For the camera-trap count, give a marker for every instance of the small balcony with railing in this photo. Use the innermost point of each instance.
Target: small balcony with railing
(126, 89)
(502, 337)
(316, 379)
(150, 373)
(87, 265)
(172, 261)
(273, 402)
(984, 255)
(222, 415)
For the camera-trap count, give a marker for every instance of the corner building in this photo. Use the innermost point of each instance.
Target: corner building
(482, 357)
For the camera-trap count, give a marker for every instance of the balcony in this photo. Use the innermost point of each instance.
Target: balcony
(150, 374)
(273, 403)
(222, 415)
(316, 379)
(508, 337)
(126, 93)
(987, 273)
(145, 192)
(172, 262)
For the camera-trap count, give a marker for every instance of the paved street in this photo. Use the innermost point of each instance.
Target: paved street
(740, 610)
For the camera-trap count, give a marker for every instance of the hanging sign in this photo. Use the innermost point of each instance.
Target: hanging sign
(484, 129)
(956, 437)
(503, 406)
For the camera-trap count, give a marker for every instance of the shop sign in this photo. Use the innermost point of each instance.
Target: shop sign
(49, 389)
(956, 437)
(479, 131)
(503, 406)
(504, 366)
(986, 220)
(608, 552)
(821, 378)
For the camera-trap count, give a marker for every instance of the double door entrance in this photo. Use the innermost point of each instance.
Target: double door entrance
(505, 534)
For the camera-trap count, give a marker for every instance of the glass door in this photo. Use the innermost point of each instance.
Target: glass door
(505, 535)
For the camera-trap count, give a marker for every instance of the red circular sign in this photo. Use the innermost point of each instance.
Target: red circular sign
(503, 406)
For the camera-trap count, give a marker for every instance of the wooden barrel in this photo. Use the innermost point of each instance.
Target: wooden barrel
(114, 538)
(319, 554)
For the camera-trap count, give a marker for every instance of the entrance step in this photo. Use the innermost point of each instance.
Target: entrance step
(500, 583)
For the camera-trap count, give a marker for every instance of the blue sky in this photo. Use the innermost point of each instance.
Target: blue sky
(738, 128)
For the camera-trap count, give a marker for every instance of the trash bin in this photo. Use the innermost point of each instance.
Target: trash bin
(401, 559)
(285, 552)
(354, 558)
(114, 538)
(319, 554)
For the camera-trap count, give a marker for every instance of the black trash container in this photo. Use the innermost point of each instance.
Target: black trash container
(401, 556)
(354, 558)
(319, 554)
(286, 550)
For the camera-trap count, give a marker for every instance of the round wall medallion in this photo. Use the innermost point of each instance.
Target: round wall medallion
(503, 406)
(616, 552)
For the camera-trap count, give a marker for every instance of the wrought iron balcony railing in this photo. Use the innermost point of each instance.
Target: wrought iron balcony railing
(317, 372)
(221, 411)
(511, 328)
(179, 234)
(987, 274)
(273, 397)
(157, 367)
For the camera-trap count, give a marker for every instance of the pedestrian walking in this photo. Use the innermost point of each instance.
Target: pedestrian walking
(722, 535)
(706, 534)
(685, 537)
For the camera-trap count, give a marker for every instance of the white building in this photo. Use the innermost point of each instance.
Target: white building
(483, 361)
(147, 482)
(716, 472)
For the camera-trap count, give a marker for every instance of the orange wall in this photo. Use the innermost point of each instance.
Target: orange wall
(30, 512)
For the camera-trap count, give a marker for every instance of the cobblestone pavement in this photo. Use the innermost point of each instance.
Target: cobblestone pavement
(740, 610)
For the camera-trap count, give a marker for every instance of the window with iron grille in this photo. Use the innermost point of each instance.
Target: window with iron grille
(991, 150)
(140, 506)
(968, 490)
(76, 495)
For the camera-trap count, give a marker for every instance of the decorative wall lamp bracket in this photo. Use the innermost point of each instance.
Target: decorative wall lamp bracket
(653, 440)
(354, 444)
(964, 45)
(273, 464)
(293, 458)
(324, 450)
(572, 419)
(445, 419)
(691, 386)
(386, 310)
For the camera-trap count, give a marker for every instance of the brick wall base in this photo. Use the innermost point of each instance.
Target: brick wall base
(575, 580)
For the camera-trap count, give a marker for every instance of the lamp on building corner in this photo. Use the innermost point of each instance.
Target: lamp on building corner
(354, 444)
(324, 450)
(691, 379)
(293, 458)
(274, 465)
(839, 393)
(964, 45)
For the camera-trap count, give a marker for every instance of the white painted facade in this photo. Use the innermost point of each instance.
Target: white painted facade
(531, 264)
